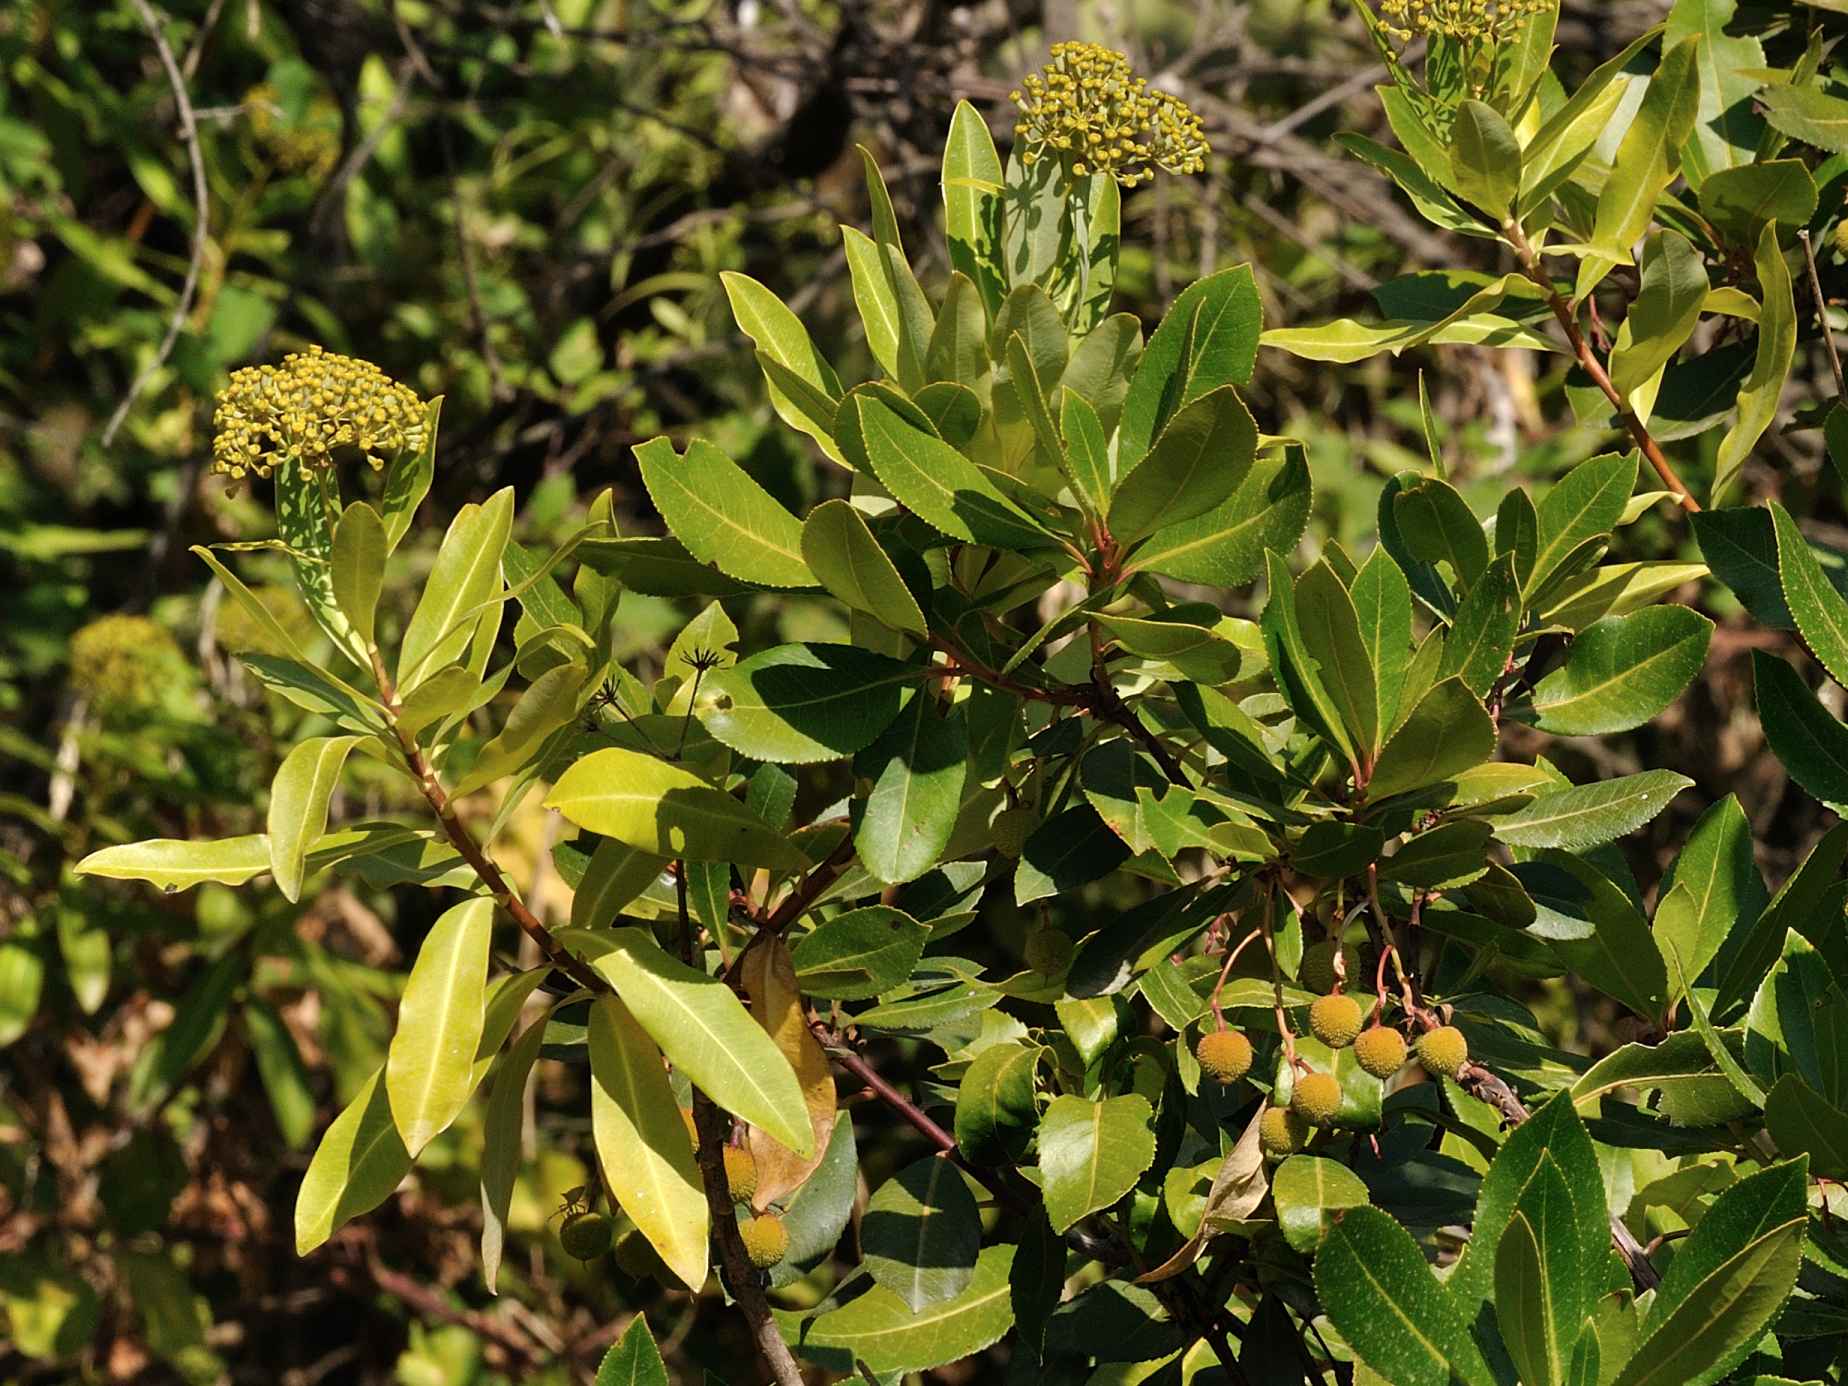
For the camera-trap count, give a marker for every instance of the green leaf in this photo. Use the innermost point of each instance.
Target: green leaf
(780, 336)
(959, 346)
(1224, 344)
(1023, 384)
(1101, 365)
(1485, 158)
(1210, 654)
(429, 1074)
(918, 767)
(548, 703)
(1648, 158)
(1376, 1289)
(1801, 732)
(1087, 449)
(995, 1108)
(860, 953)
(1740, 201)
(299, 798)
(972, 179)
(921, 1232)
(1311, 1194)
(1777, 345)
(1585, 816)
(1446, 733)
(1740, 546)
(176, 864)
(1569, 132)
(1541, 1300)
(1803, 1122)
(1383, 606)
(1445, 857)
(1481, 637)
(1720, 888)
(635, 1360)
(466, 574)
(1809, 115)
(1623, 671)
(307, 504)
(1298, 678)
(1092, 1153)
(914, 322)
(1553, 1134)
(358, 1164)
(872, 295)
(1331, 634)
(1583, 505)
(941, 486)
(705, 1032)
(641, 1139)
(1726, 1283)
(723, 516)
(1597, 930)
(1749, 953)
(1198, 461)
(797, 704)
(880, 1330)
(616, 874)
(1674, 289)
(1726, 129)
(665, 811)
(1680, 1064)
(1820, 612)
(500, 1156)
(1436, 526)
(1226, 546)
(358, 563)
(407, 481)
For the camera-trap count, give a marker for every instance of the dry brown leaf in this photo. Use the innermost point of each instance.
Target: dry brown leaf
(769, 978)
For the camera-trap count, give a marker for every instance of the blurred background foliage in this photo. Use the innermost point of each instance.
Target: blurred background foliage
(524, 207)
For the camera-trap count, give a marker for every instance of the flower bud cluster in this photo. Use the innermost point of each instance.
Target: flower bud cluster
(1090, 111)
(1489, 22)
(312, 404)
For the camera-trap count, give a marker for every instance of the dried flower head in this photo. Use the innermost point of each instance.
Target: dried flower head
(123, 661)
(1490, 23)
(312, 404)
(1089, 110)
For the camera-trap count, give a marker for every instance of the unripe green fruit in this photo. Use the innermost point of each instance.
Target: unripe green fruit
(766, 1240)
(740, 1173)
(1315, 1098)
(1335, 1020)
(1281, 1132)
(1317, 971)
(1443, 1051)
(1380, 1051)
(1048, 951)
(1224, 1055)
(1011, 828)
(585, 1236)
(1841, 236)
(636, 1255)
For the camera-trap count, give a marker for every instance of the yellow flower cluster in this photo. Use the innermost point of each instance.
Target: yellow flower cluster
(310, 405)
(123, 661)
(1089, 110)
(1488, 22)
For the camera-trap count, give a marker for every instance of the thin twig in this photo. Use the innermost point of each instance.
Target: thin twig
(189, 135)
(464, 842)
(1822, 315)
(1589, 363)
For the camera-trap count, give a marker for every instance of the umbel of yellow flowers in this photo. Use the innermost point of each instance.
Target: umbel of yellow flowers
(1487, 22)
(1089, 110)
(305, 409)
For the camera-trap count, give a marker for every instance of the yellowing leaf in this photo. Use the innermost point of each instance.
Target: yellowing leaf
(769, 979)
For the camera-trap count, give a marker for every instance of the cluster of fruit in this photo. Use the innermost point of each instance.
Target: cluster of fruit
(586, 1234)
(1337, 1020)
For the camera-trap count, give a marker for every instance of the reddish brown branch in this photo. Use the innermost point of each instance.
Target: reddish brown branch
(464, 842)
(1589, 363)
